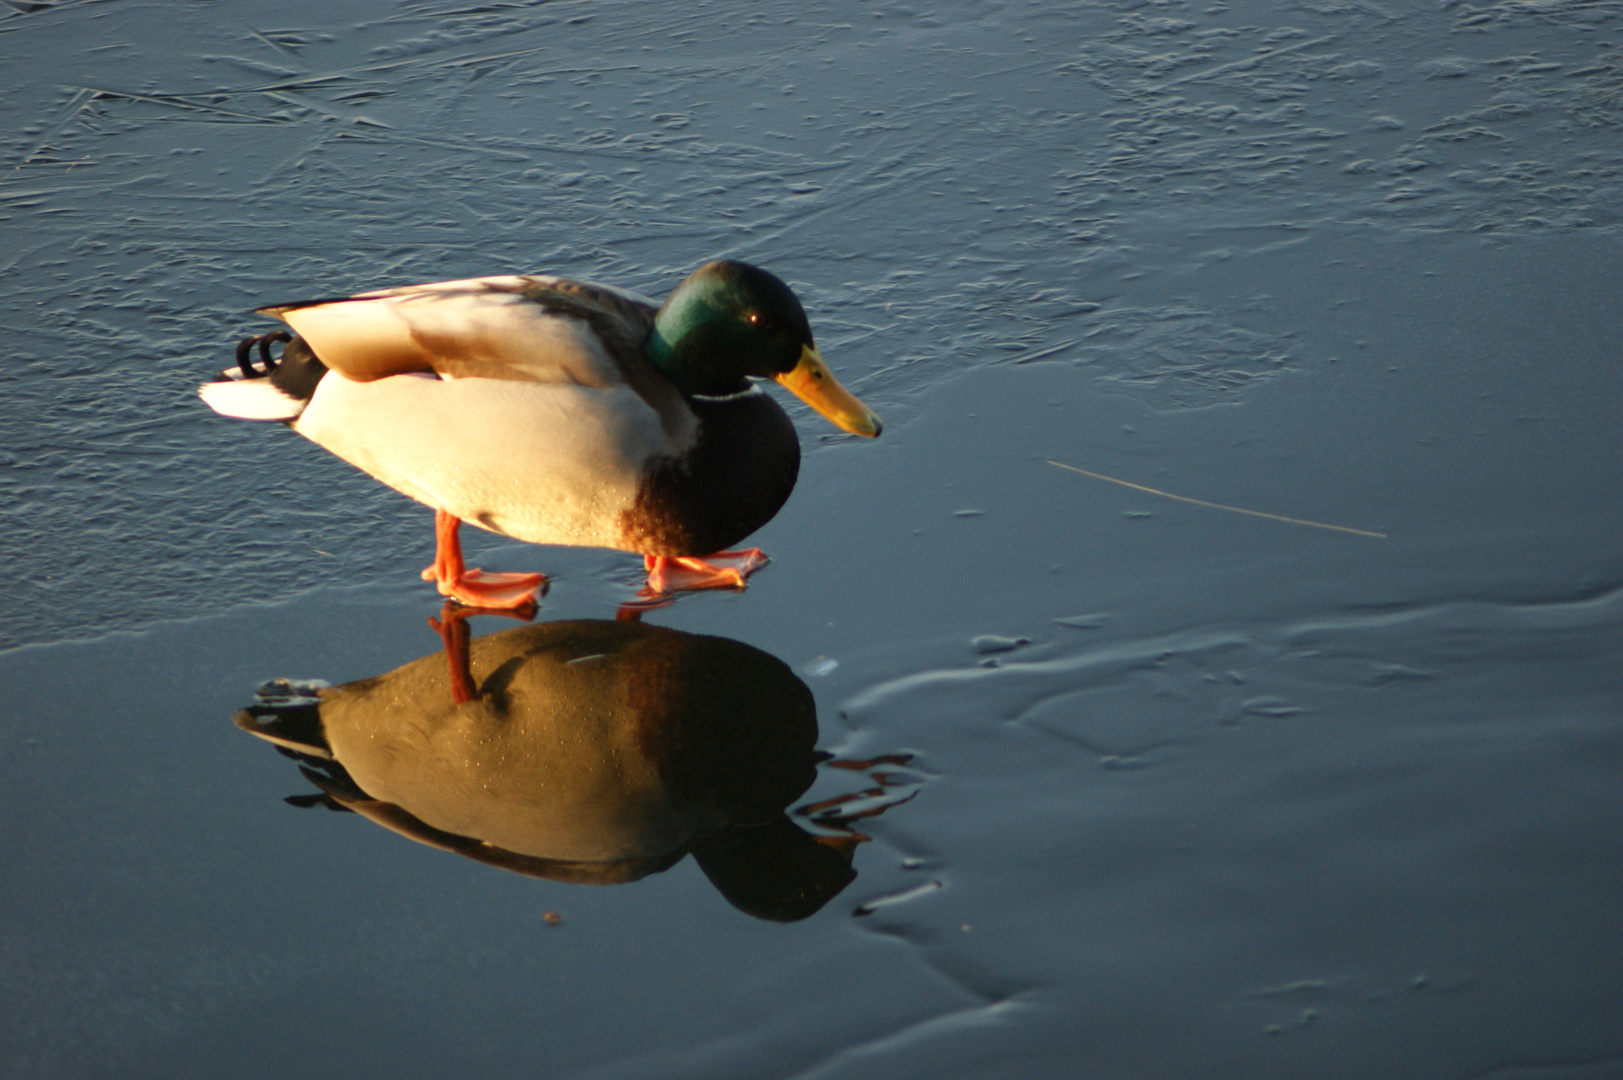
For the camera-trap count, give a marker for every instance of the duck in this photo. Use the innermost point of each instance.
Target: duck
(558, 411)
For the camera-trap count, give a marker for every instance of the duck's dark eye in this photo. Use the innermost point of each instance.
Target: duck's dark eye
(755, 318)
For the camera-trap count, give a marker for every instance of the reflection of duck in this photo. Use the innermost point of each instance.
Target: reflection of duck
(559, 412)
(588, 751)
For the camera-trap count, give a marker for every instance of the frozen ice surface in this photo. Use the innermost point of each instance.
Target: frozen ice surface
(1256, 800)
(948, 189)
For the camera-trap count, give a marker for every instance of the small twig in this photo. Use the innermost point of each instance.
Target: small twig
(1218, 506)
(1250, 61)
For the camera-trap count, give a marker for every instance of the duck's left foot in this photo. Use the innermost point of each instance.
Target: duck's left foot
(497, 592)
(475, 588)
(723, 570)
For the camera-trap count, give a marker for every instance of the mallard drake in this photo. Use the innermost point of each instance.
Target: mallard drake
(558, 412)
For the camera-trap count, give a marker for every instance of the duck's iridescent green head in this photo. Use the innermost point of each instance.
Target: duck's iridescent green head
(729, 321)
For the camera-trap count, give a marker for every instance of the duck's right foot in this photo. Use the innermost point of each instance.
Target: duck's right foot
(723, 570)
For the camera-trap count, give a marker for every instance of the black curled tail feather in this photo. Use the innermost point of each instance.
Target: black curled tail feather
(295, 373)
(267, 363)
(263, 386)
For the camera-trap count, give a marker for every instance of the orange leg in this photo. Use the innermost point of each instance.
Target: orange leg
(723, 570)
(475, 587)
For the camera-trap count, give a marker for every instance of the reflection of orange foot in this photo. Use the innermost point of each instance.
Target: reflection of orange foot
(633, 610)
(501, 592)
(723, 570)
(452, 627)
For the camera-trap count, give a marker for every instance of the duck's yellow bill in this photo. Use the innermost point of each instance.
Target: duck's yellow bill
(811, 382)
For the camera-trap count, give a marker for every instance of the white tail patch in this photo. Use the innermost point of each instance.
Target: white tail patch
(250, 399)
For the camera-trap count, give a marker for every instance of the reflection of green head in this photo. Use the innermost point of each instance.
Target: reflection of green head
(725, 322)
(775, 871)
(728, 724)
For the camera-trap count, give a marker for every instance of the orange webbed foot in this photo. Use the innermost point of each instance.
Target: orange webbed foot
(681, 573)
(475, 587)
(497, 592)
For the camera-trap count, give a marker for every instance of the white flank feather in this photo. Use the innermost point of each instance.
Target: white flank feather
(549, 463)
